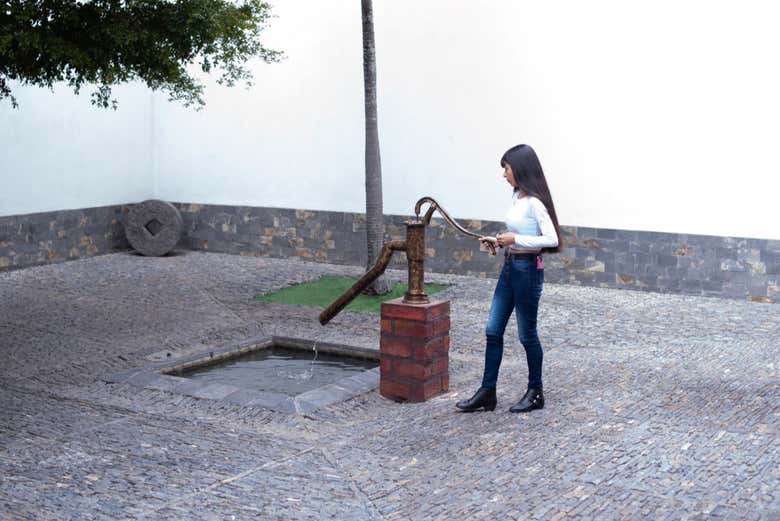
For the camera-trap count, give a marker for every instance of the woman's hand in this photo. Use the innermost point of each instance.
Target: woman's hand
(489, 240)
(505, 239)
(488, 244)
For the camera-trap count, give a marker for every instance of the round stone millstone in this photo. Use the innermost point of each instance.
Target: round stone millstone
(153, 227)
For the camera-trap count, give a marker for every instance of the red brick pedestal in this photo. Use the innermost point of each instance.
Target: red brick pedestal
(414, 350)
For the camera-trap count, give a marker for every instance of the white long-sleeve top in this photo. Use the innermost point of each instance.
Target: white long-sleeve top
(530, 221)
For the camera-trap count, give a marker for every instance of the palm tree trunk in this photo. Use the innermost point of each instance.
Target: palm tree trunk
(375, 229)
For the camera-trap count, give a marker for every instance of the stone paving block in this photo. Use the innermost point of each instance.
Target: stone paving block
(123, 376)
(243, 396)
(188, 387)
(357, 385)
(276, 494)
(28, 351)
(285, 406)
(658, 406)
(214, 391)
(268, 400)
(322, 396)
(29, 416)
(145, 378)
(165, 383)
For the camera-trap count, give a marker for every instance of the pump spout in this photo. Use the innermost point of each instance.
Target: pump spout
(363, 282)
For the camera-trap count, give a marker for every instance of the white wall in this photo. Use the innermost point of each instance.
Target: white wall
(295, 139)
(659, 116)
(58, 152)
(652, 116)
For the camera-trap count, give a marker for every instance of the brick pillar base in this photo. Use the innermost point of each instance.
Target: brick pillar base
(414, 350)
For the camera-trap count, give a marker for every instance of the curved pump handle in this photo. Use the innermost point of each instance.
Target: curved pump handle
(436, 206)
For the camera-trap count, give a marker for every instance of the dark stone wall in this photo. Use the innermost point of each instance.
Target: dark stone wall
(728, 267)
(648, 261)
(667, 262)
(48, 237)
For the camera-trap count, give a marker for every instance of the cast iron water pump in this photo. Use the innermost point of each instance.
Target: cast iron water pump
(414, 246)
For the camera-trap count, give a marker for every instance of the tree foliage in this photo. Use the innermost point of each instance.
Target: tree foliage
(109, 42)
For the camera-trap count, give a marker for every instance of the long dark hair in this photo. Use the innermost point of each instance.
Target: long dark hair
(529, 177)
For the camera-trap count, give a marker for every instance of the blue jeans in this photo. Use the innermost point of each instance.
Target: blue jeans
(518, 289)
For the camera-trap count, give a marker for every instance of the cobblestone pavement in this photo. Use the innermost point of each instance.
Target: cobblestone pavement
(658, 406)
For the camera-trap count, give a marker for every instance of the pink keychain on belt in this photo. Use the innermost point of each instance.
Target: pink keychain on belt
(539, 263)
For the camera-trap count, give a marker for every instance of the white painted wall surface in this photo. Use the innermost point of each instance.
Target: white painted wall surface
(58, 152)
(658, 116)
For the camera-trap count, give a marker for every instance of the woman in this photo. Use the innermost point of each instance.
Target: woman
(533, 229)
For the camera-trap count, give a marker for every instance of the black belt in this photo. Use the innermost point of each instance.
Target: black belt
(518, 256)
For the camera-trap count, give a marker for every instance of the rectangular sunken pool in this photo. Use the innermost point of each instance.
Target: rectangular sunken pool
(288, 375)
(280, 370)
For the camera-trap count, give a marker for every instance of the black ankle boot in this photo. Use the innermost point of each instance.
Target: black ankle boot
(533, 399)
(484, 397)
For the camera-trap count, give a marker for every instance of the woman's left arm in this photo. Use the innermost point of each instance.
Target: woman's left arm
(548, 238)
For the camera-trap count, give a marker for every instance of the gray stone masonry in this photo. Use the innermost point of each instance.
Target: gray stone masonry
(658, 406)
(50, 237)
(738, 268)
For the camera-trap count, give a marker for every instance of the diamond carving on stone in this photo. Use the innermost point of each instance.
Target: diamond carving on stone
(154, 226)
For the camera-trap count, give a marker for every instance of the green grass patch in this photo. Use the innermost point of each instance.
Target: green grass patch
(326, 289)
